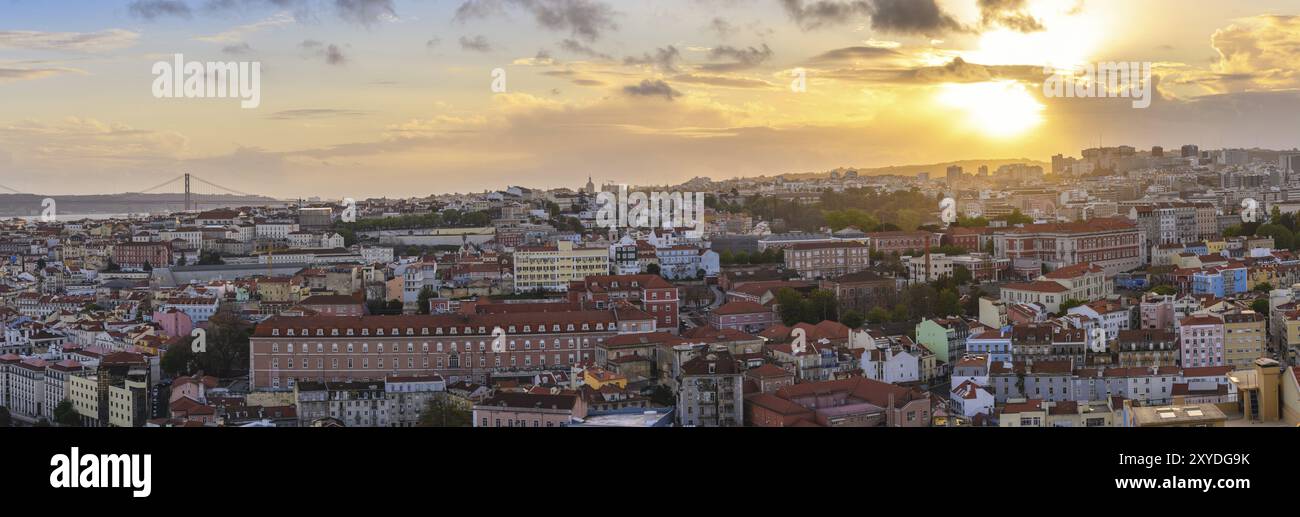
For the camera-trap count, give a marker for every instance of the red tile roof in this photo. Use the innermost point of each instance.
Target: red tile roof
(739, 307)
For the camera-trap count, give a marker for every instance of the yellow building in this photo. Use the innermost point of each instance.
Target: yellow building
(1290, 336)
(552, 268)
(597, 378)
(1290, 391)
(127, 404)
(277, 290)
(83, 391)
(1245, 339)
(1216, 247)
(1258, 390)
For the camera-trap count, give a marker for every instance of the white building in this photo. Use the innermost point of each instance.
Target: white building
(970, 399)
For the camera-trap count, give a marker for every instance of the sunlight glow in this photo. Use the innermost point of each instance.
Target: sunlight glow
(998, 109)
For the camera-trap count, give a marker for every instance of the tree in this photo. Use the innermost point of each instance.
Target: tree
(65, 415)
(821, 306)
(698, 295)
(653, 269)
(227, 344)
(179, 359)
(210, 258)
(1070, 304)
(1263, 287)
(440, 411)
(1015, 218)
(949, 303)
(961, 275)
(426, 294)
(1164, 290)
(852, 319)
(1282, 237)
(901, 314)
(5, 419)
(1260, 306)
(877, 315)
(790, 306)
(181, 261)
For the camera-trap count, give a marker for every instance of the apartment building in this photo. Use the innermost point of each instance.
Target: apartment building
(556, 409)
(286, 350)
(746, 317)
(552, 268)
(1244, 338)
(1201, 340)
(1145, 348)
(852, 402)
(903, 242)
(651, 293)
(1114, 244)
(135, 255)
(711, 392)
(828, 259)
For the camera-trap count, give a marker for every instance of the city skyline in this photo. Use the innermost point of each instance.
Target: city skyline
(383, 98)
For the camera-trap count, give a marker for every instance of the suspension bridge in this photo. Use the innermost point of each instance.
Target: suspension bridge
(182, 183)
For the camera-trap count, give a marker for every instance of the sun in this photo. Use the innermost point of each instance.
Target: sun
(998, 109)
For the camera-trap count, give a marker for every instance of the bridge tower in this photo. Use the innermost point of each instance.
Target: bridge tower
(187, 192)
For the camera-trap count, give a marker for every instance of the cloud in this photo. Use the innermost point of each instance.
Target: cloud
(238, 34)
(75, 139)
(740, 58)
(366, 12)
(1011, 14)
(664, 58)
(860, 53)
(331, 53)
(478, 43)
(956, 71)
(153, 9)
(1260, 52)
(584, 19)
(240, 49)
(112, 39)
(722, 81)
(723, 28)
(912, 17)
(649, 88)
(577, 47)
(358, 12)
(12, 75)
(315, 113)
(897, 16)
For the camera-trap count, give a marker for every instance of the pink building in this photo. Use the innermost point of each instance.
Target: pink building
(174, 322)
(746, 317)
(1200, 340)
(193, 388)
(530, 410)
(1157, 312)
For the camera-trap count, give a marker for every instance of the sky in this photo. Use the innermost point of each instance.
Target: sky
(398, 98)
